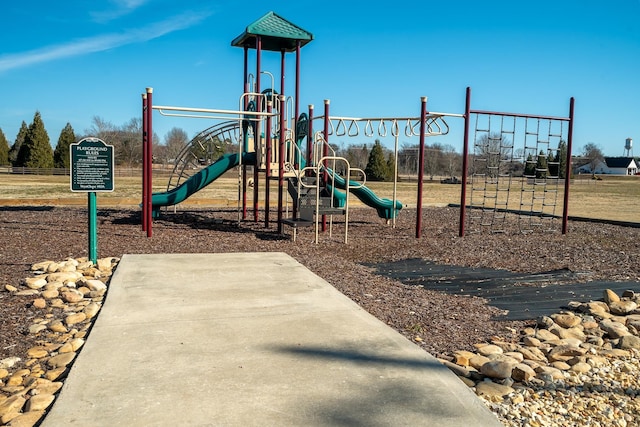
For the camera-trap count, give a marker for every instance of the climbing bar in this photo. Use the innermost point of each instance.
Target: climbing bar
(525, 116)
(394, 128)
(382, 129)
(190, 113)
(383, 126)
(341, 129)
(368, 129)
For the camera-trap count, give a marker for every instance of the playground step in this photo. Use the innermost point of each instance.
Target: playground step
(309, 186)
(297, 222)
(309, 200)
(274, 174)
(331, 211)
(305, 222)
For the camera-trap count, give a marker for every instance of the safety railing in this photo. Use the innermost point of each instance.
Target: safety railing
(319, 170)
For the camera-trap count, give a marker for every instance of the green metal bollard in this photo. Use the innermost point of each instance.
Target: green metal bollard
(93, 227)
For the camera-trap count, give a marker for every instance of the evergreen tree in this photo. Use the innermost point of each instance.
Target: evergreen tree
(4, 149)
(530, 166)
(552, 165)
(61, 153)
(561, 158)
(541, 166)
(391, 167)
(376, 169)
(36, 149)
(15, 148)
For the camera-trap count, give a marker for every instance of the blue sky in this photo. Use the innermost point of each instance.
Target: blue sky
(74, 60)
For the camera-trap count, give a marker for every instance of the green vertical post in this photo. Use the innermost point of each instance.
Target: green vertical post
(93, 227)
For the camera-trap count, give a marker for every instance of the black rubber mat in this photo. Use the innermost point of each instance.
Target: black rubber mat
(523, 296)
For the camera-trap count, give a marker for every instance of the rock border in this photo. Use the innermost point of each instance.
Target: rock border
(576, 367)
(69, 295)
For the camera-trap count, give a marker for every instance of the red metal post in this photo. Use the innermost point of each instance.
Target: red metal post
(282, 73)
(244, 141)
(245, 83)
(281, 166)
(144, 162)
(310, 137)
(423, 118)
(567, 172)
(256, 137)
(267, 172)
(149, 161)
(288, 150)
(297, 91)
(465, 163)
(282, 87)
(325, 152)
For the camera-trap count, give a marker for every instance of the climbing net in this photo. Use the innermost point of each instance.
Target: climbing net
(518, 166)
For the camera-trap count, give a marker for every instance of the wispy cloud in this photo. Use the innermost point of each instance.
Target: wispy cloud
(100, 43)
(122, 8)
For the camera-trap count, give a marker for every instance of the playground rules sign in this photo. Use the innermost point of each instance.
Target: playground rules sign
(91, 165)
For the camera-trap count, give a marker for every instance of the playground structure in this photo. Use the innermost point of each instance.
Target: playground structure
(503, 142)
(272, 140)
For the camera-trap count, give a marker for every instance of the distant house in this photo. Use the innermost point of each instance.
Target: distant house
(611, 166)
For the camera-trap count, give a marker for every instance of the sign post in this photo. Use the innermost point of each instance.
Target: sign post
(91, 172)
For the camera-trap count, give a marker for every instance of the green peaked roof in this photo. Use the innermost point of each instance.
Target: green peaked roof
(276, 33)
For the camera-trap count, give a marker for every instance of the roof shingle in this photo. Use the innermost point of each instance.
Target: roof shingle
(275, 32)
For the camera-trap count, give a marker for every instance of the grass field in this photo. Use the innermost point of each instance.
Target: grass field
(612, 198)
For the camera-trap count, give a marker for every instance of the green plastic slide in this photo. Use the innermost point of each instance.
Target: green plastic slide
(200, 180)
(384, 207)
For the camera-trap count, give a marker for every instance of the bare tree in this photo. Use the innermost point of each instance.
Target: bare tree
(451, 160)
(493, 155)
(126, 139)
(130, 142)
(593, 155)
(408, 159)
(432, 159)
(357, 156)
(174, 141)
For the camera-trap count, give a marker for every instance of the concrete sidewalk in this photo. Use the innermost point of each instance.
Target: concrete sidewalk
(250, 339)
